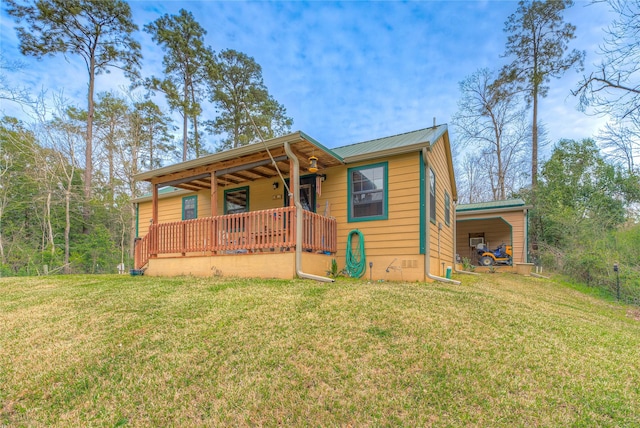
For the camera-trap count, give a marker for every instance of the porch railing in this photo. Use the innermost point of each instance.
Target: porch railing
(141, 251)
(272, 229)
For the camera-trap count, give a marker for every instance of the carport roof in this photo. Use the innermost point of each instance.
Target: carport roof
(493, 205)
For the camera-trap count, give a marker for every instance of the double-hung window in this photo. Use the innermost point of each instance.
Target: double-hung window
(190, 207)
(368, 192)
(447, 209)
(432, 195)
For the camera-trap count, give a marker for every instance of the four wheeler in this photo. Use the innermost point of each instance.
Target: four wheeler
(501, 255)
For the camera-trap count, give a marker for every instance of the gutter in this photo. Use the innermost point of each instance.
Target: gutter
(481, 211)
(295, 178)
(427, 249)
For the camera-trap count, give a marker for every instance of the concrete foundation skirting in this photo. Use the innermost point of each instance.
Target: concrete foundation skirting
(524, 268)
(267, 265)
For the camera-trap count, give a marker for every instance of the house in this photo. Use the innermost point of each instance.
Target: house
(492, 224)
(231, 213)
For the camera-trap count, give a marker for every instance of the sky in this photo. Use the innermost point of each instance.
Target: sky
(346, 72)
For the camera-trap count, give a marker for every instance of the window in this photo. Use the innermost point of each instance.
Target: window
(447, 209)
(368, 192)
(190, 207)
(236, 200)
(432, 196)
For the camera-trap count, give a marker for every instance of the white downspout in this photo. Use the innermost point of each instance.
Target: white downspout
(427, 250)
(295, 178)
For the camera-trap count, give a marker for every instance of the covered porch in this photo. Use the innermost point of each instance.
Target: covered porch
(246, 233)
(231, 229)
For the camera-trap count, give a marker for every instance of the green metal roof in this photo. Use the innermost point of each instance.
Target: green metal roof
(426, 135)
(163, 192)
(507, 203)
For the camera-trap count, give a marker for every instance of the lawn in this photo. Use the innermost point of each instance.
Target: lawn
(498, 350)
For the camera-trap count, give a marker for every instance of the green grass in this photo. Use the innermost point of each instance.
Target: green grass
(499, 350)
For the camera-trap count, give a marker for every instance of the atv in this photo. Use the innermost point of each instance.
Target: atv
(501, 255)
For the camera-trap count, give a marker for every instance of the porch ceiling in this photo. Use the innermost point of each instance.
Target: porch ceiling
(243, 165)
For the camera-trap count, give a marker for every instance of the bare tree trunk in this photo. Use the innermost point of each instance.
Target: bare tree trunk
(132, 239)
(122, 237)
(88, 167)
(534, 141)
(196, 141)
(150, 149)
(185, 123)
(67, 226)
(49, 227)
(112, 187)
(195, 123)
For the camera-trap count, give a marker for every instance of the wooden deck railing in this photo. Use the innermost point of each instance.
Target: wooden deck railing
(141, 251)
(319, 233)
(272, 229)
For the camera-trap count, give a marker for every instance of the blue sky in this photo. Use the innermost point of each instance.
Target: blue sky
(346, 71)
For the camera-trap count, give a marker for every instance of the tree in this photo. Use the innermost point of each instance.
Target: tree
(100, 32)
(148, 143)
(488, 119)
(239, 92)
(17, 188)
(471, 179)
(621, 142)
(614, 87)
(185, 61)
(580, 195)
(8, 90)
(149, 134)
(112, 116)
(63, 134)
(538, 42)
(581, 202)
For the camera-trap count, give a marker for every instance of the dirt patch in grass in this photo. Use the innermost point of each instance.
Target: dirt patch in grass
(634, 314)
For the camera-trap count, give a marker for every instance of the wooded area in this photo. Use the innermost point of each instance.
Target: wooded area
(586, 195)
(65, 197)
(66, 186)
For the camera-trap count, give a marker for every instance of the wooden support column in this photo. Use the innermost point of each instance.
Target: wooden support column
(213, 239)
(214, 194)
(293, 183)
(154, 222)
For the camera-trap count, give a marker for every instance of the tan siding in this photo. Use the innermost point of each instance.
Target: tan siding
(438, 160)
(384, 239)
(393, 242)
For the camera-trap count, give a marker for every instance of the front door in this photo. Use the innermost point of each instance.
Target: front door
(307, 193)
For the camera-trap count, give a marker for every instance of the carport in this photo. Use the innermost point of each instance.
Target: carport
(492, 224)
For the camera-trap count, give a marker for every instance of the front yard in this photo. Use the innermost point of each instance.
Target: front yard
(499, 350)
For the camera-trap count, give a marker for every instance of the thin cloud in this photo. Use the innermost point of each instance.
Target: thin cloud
(347, 71)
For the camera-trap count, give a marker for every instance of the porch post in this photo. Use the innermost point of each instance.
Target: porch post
(154, 212)
(154, 222)
(214, 212)
(214, 194)
(293, 182)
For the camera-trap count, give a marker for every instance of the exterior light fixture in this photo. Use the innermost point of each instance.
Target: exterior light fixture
(313, 164)
(323, 177)
(275, 185)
